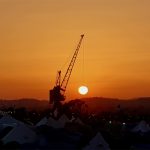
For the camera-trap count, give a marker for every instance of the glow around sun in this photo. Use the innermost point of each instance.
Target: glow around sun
(83, 90)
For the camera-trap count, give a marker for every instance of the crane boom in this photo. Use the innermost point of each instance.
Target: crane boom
(69, 70)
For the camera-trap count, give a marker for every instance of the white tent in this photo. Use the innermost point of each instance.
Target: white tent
(63, 119)
(79, 121)
(52, 122)
(9, 121)
(141, 127)
(21, 134)
(43, 121)
(60, 123)
(97, 143)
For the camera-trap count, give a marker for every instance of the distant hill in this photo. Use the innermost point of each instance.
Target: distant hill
(95, 104)
(110, 104)
(30, 104)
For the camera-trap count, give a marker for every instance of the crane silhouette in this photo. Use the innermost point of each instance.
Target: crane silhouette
(57, 94)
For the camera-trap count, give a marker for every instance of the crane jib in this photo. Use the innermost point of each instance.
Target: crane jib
(69, 70)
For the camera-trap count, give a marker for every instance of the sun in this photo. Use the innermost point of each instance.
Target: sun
(83, 90)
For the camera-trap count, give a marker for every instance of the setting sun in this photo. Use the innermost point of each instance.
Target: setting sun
(83, 90)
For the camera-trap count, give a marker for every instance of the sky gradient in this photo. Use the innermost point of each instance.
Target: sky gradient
(37, 37)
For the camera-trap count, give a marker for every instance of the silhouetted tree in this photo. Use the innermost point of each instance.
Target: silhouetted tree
(76, 107)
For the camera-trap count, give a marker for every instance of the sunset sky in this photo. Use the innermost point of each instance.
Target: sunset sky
(37, 37)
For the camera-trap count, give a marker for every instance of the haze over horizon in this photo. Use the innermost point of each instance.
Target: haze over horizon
(38, 36)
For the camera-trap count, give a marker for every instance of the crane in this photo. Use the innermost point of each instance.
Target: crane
(57, 94)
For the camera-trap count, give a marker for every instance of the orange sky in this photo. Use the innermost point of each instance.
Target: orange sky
(38, 36)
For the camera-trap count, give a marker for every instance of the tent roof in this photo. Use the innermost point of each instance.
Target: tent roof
(97, 143)
(9, 121)
(78, 120)
(60, 123)
(21, 134)
(141, 126)
(98, 139)
(43, 121)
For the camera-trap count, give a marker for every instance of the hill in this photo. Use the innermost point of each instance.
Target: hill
(110, 104)
(30, 104)
(94, 104)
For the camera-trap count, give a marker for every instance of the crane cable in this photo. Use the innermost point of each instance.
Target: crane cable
(83, 63)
